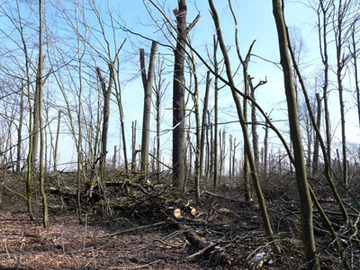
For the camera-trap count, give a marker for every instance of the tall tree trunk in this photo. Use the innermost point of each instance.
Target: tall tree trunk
(246, 168)
(55, 153)
(266, 149)
(339, 76)
(230, 155)
(198, 150)
(324, 11)
(315, 163)
(35, 130)
(19, 137)
(234, 159)
(211, 145)
(354, 56)
(198, 129)
(204, 121)
(328, 172)
(158, 94)
(256, 182)
(255, 136)
(106, 91)
(178, 98)
(246, 78)
(81, 173)
(295, 134)
(207, 150)
(222, 147)
(114, 160)
(121, 114)
(39, 88)
(147, 80)
(133, 144)
(216, 115)
(340, 64)
(29, 159)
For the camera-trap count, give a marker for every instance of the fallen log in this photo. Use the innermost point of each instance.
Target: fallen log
(207, 248)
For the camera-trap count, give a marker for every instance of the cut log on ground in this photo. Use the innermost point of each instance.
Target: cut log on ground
(207, 248)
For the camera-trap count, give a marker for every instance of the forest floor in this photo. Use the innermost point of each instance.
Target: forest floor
(148, 236)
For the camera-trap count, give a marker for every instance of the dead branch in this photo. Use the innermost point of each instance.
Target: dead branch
(133, 229)
(207, 248)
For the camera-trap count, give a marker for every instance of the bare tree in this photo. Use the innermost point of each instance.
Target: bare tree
(340, 23)
(354, 51)
(19, 128)
(117, 87)
(222, 152)
(159, 93)
(198, 132)
(216, 114)
(324, 11)
(147, 80)
(38, 110)
(178, 97)
(106, 90)
(231, 153)
(266, 148)
(315, 161)
(204, 121)
(133, 146)
(295, 134)
(245, 64)
(260, 196)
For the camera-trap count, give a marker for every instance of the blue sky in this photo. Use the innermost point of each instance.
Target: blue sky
(255, 21)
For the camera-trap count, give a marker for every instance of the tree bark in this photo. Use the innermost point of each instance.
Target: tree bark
(255, 136)
(315, 163)
(323, 10)
(39, 88)
(147, 80)
(216, 115)
(198, 150)
(354, 56)
(340, 39)
(256, 182)
(158, 94)
(106, 91)
(121, 114)
(178, 98)
(29, 159)
(328, 171)
(204, 121)
(295, 134)
(133, 145)
(19, 137)
(266, 149)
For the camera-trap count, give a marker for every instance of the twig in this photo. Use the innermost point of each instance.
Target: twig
(62, 241)
(220, 196)
(168, 244)
(6, 247)
(92, 259)
(133, 229)
(136, 267)
(172, 235)
(18, 257)
(210, 246)
(14, 192)
(259, 248)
